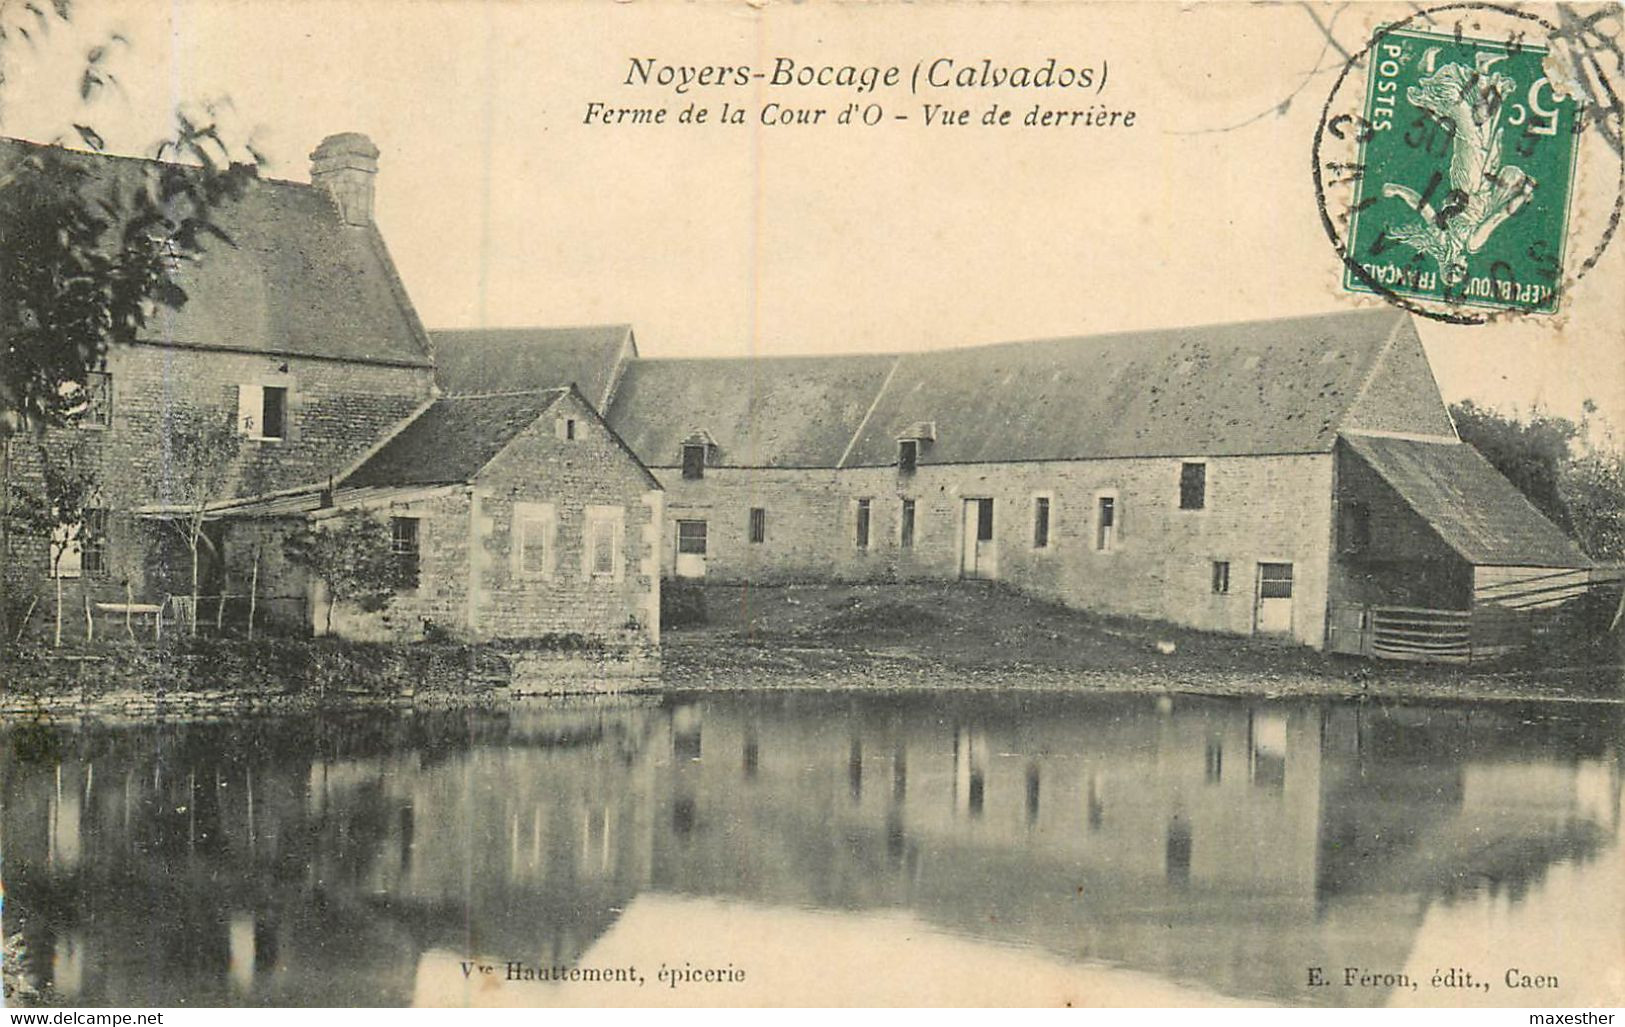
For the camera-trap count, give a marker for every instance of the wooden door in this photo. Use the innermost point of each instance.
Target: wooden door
(1274, 611)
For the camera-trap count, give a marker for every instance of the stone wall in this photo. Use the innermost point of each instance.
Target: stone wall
(1274, 509)
(588, 476)
(336, 410)
(208, 676)
(470, 582)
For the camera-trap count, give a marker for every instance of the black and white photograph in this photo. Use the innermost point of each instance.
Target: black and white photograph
(741, 503)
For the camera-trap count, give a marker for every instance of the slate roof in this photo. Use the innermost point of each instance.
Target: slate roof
(1260, 387)
(298, 281)
(504, 359)
(760, 411)
(1472, 507)
(453, 439)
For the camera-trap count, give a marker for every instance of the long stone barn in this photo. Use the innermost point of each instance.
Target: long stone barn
(1297, 477)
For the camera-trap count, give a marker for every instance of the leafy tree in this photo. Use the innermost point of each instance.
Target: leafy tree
(1569, 474)
(198, 456)
(1594, 489)
(1531, 454)
(87, 257)
(351, 555)
(59, 509)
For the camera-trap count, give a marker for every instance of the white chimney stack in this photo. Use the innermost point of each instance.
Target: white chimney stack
(345, 165)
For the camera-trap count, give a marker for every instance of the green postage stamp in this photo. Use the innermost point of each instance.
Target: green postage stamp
(1467, 166)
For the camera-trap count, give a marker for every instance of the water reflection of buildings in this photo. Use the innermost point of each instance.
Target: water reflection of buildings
(1225, 844)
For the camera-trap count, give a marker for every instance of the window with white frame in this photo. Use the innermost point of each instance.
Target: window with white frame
(533, 540)
(602, 542)
(403, 544)
(262, 411)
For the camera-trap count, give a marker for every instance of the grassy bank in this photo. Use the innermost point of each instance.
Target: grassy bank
(983, 635)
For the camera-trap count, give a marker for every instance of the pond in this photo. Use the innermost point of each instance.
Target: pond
(816, 847)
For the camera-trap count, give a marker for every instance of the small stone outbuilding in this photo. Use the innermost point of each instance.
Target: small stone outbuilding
(523, 515)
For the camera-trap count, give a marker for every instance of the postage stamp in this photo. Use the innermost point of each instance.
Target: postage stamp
(1468, 172)
(1468, 162)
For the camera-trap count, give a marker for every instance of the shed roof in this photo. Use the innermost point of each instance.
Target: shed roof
(759, 411)
(1278, 386)
(498, 359)
(1472, 507)
(452, 439)
(296, 280)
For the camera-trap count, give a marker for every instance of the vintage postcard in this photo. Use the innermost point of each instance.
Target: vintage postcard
(548, 504)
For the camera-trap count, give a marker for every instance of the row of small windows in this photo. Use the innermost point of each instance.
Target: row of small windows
(1106, 528)
(1192, 478)
(1106, 517)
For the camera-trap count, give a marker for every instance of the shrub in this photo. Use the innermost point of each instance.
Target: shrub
(682, 604)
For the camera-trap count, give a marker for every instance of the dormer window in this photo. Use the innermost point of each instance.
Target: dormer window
(693, 460)
(909, 442)
(908, 455)
(698, 450)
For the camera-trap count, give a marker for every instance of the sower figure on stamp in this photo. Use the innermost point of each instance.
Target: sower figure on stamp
(1483, 193)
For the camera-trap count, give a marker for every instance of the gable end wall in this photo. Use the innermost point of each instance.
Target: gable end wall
(1401, 395)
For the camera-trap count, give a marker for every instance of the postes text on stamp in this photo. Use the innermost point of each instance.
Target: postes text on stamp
(1468, 164)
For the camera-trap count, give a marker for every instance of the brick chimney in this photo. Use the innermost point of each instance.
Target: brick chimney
(345, 165)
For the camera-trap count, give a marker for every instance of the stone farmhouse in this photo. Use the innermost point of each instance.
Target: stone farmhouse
(302, 335)
(1297, 477)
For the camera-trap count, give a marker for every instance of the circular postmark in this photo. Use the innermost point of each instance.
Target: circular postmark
(1468, 163)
